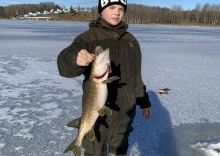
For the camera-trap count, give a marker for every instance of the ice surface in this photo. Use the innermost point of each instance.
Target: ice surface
(36, 103)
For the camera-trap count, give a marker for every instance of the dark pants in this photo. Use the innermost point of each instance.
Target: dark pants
(113, 140)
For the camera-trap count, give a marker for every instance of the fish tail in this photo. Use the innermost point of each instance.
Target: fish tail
(77, 150)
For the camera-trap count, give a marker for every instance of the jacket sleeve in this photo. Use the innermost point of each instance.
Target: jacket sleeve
(142, 98)
(66, 60)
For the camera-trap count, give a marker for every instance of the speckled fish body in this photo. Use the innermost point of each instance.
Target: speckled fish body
(94, 98)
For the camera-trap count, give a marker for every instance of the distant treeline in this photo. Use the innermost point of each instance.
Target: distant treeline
(206, 14)
(138, 14)
(21, 9)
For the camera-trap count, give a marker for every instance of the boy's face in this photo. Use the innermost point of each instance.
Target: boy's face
(113, 14)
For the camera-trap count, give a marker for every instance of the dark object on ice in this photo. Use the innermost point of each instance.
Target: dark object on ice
(164, 91)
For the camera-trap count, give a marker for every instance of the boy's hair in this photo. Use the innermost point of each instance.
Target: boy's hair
(105, 3)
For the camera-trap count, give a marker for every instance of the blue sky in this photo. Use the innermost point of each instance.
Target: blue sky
(186, 4)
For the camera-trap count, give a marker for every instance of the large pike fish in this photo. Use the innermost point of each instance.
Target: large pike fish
(94, 99)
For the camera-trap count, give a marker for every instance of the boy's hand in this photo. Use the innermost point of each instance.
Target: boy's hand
(147, 113)
(84, 58)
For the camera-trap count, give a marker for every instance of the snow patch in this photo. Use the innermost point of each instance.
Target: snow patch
(208, 148)
(19, 148)
(2, 145)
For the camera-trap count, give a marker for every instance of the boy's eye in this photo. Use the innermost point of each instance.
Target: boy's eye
(122, 9)
(111, 7)
(119, 9)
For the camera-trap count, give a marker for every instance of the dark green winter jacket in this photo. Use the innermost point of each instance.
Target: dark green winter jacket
(125, 56)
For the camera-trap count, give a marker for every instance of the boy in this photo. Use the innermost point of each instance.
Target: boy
(109, 31)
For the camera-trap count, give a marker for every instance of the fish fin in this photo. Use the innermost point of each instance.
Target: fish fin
(98, 50)
(74, 123)
(91, 135)
(109, 80)
(107, 111)
(77, 150)
(101, 112)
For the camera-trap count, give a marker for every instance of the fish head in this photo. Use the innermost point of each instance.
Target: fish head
(101, 65)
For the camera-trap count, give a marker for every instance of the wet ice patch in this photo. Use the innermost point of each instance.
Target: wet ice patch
(49, 115)
(24, 127)
(24, 133)
(5, 114)
(50, 106)
(208, 148)
(19, 110)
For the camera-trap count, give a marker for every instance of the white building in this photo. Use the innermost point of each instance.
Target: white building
(46, 12)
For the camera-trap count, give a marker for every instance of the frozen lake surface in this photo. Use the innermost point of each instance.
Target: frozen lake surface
(36, 103)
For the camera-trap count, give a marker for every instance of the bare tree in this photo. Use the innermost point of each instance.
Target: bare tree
(177, 13)
(205, 10)
(198, 12)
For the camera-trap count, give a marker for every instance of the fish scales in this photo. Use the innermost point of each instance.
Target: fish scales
(94, 100)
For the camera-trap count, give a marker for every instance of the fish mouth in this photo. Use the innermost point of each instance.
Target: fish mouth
(103, 75)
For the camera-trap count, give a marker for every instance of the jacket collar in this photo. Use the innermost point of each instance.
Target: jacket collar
(100, 22)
